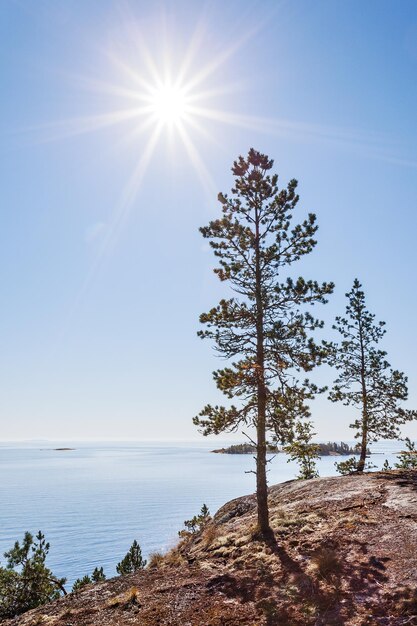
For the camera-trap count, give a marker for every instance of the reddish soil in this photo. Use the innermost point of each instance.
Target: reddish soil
(344, 552)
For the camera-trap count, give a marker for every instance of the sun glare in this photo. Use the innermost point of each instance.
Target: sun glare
(169, 104)
(150, 93)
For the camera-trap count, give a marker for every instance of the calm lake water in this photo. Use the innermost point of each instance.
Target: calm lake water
(92, 502)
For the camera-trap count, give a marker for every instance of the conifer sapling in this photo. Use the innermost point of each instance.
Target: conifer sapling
(132, 562)
(303, 451)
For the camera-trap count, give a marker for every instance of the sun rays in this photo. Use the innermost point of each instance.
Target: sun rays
(157, 89)
(152, 98)
(153, 93)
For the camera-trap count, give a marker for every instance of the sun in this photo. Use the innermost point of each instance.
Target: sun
(164, 96)
(171, 95)
(169, 104)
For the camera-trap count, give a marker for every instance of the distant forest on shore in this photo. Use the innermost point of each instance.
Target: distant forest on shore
(324, 449)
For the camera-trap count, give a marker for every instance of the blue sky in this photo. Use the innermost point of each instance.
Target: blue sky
(103, 275)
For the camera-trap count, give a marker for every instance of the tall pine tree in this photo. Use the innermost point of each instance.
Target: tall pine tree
(263, 331)
(366, 380)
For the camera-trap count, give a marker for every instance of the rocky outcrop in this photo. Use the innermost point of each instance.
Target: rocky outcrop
(344, 552)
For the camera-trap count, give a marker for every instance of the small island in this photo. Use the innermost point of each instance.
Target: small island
(325, 449)
(245, 448)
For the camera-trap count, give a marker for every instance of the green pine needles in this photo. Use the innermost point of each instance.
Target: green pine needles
(407, 459)
(26, 582)
(196, 523)
(132, 562)
(304, 451)
(366, 380)
(97, 576)
(264, 330)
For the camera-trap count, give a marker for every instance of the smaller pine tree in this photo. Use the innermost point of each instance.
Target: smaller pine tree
(303, 451)
(196, 523)
(365, 379)
(132, 562)
(26, 582)
(408, 458)
(98, 575)
(350, 466)
(80, 583)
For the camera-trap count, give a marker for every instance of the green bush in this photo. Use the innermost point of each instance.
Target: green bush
(26, 582)
(351, 466)
(98, 575)
(347, 467)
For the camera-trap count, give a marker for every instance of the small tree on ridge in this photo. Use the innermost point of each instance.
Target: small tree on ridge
(26, 582)
(132, 562)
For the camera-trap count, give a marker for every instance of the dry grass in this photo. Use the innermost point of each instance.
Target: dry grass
(156, 559)
(326, 561)
(174, 557)
(211, 532)
(38, 621)
(408, 603)
(125, 599)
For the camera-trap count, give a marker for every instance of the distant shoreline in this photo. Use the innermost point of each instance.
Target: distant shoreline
(324, 449)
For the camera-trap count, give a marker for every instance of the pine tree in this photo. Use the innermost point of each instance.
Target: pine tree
(366, 380)
(303, 451)
(196, 523)
(97, 576)
(264, 327)
(80, 583)
(407, 458)
(132, 561)
(26, 582)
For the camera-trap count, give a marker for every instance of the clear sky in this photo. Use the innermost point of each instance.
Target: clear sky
(103, 273)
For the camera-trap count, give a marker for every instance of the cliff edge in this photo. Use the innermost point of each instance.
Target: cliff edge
(344, 553)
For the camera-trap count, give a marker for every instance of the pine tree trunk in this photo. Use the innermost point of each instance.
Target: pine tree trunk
(261, 482)
(364, 440)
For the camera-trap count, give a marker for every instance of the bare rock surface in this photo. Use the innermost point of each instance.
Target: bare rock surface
(344, 552)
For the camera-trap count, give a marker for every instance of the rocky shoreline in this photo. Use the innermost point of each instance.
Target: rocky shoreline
(343, 553)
